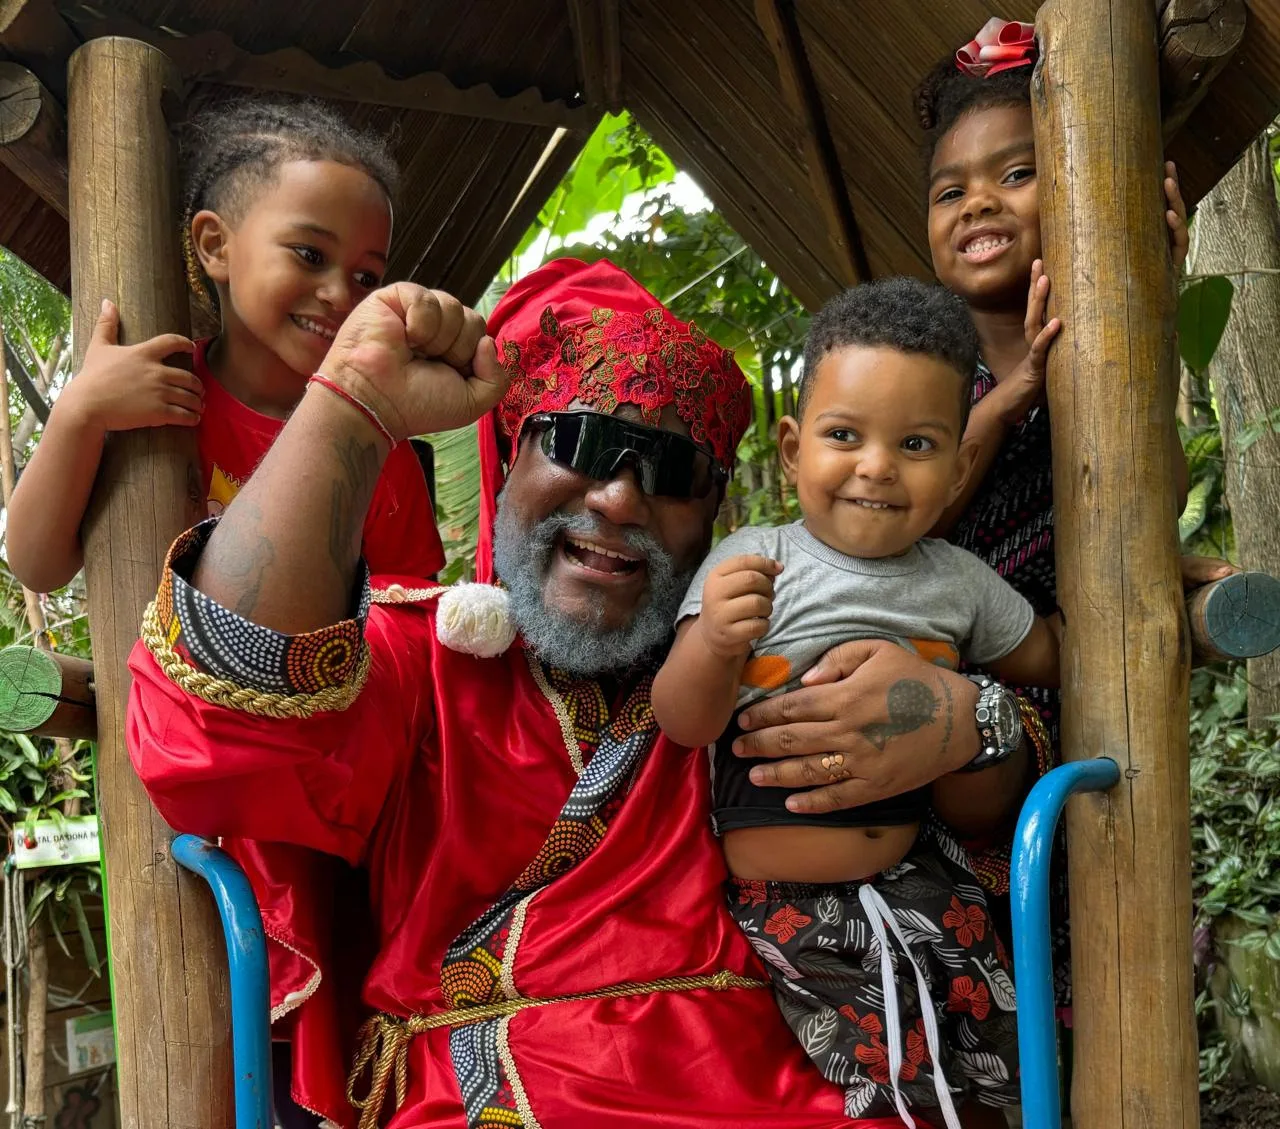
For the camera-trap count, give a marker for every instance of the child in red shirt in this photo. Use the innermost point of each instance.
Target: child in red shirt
(286, 227)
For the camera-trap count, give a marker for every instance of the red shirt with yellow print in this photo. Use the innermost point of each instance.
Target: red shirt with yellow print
(401, 541)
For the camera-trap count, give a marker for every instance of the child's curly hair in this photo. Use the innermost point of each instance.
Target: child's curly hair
(895, 313)
(234, 148)
(947, 93)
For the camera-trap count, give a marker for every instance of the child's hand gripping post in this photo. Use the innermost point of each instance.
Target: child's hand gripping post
(1176, 217)
(124, 387)
(118, 388)
(695, 692)
(418, 359)
(1023, 388)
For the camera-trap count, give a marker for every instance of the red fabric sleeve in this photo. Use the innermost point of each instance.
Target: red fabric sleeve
(318, 782)
(400, 535)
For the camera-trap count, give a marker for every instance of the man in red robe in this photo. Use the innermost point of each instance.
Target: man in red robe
(550, 943)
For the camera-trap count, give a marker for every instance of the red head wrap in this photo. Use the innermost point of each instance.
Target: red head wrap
(999, 46)
(591, 333)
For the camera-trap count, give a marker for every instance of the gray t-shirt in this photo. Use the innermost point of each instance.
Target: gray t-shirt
(935, 599)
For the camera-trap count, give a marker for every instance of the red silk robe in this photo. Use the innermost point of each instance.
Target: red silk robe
(446, 778)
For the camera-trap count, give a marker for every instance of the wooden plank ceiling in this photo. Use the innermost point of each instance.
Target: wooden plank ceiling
(702, 77)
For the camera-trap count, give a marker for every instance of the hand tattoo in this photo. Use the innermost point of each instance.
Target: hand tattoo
(912, 705)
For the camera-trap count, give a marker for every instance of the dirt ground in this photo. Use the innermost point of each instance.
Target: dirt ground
(1251, 1108)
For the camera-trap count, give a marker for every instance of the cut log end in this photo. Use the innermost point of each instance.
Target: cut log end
(1235, 618)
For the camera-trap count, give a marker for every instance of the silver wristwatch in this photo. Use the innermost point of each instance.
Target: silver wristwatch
(999, 723)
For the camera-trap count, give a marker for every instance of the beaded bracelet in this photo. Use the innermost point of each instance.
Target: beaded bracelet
(359, 405)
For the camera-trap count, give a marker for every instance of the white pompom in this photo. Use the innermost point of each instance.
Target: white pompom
(474, 619)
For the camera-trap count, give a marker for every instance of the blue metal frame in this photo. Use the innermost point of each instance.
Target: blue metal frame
(250, 987)
(1032, 962)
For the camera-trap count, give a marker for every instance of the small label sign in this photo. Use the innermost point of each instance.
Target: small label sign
(76, 840)
(91, 1042)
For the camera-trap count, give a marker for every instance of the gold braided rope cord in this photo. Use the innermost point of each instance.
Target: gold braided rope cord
(384, 1039)
(261, 703)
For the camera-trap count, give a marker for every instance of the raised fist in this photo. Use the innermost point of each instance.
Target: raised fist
(418, 358)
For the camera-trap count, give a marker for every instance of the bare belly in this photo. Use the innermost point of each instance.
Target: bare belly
(809, 853)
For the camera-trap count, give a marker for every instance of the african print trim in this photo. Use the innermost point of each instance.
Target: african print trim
(216, 641)
(475, 968)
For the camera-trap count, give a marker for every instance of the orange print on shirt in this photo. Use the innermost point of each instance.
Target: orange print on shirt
(767, 672)
(936, 652)
(222, 488)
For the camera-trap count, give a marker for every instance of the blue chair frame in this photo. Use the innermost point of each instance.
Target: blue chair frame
(250, 984)
(1037, 1032)
(1032, 960)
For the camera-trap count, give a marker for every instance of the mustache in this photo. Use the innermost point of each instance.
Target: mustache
(542, 537)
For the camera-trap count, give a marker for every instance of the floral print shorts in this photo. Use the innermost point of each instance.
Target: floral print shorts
(869, 975)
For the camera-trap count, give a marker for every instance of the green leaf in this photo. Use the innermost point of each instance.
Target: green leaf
(41, 895)
(86, 934)
(1197, 507)
(1203, 309)
(1255, 430)
(27, 746)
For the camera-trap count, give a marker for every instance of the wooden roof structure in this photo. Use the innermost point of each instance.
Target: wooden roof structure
(795, 116)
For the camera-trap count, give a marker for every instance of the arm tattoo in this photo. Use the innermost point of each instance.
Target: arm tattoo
(359, 466)
(241, 555)
(912, 705)
(950, 718)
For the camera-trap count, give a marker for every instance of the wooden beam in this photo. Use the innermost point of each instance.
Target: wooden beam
(1197, 38)
(597, 41)
(33, 135)
(777, 19)
(35, 35)
(212, 56)
(46, 694)
(1234, 618)
(168, 959)
(1095, 105)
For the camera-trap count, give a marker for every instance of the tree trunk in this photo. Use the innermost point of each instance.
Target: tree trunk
(1237, 229)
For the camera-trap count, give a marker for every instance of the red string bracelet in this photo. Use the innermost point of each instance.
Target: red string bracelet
(359, 405)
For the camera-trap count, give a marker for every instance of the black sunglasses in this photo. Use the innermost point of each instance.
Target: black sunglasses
(597, 445)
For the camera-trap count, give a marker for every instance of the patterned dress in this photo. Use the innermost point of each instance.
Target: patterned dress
(1009, 524)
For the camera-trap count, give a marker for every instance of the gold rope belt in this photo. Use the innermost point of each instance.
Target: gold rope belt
(384, 1039)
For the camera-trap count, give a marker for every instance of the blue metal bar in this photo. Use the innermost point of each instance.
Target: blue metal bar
(1032, 961)
(250, 987)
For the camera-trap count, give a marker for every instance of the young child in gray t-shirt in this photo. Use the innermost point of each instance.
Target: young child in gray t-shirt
(875, 457)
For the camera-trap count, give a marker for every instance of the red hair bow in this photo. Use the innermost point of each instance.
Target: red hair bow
(1001, 45)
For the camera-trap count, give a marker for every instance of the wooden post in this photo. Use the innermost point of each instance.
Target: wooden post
(167, 959)
(1095, 99)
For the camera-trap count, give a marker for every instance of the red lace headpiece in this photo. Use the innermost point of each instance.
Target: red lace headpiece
(1001, 45)
(573, 331)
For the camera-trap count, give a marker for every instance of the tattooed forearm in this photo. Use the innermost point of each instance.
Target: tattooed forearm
(949, 720)
(239, 556)
(358, 470)
(911, 706)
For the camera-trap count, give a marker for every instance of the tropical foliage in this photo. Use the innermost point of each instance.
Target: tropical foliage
(41, 779)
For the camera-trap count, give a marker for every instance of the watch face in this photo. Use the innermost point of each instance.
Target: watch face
(1007, 718)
